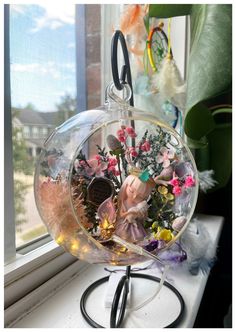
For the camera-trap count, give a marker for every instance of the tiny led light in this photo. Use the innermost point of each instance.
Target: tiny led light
(60, 239)
(85, 249)
(75, 245)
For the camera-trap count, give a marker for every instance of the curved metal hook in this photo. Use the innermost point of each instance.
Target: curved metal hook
(125, 76)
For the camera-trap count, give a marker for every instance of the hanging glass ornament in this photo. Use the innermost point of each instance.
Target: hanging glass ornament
(112, 193)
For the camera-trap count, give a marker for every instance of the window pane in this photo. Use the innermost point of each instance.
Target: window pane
(43, 94)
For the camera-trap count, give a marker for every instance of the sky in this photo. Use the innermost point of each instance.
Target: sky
(42, 54)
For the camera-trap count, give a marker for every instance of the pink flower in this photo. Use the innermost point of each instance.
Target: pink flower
(113, 170)
(133, 152)
(117, 173)
(164, 156)
(174, 182)
(177, 190)
(97, 157)
(130, 131)
(79, 163)
(112, 162)
(145, 146)
(189, 181)
(96, 167)
(121, 135)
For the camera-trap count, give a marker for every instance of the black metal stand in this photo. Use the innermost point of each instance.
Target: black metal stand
(119, 81)
(124, 283)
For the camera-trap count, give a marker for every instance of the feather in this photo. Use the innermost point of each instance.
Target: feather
(170, 84)
(132, 24)
(197, 243)
(206, 180)
(132, 20)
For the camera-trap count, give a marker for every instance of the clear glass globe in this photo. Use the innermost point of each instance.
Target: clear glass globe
(114, 183)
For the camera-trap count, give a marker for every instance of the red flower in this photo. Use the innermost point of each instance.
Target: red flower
(121, 135)
(112, 169)
(112, 162)
(145, 146)
(174, 182)
(177, 190)
(189, 181)
(130, 131)
(133, 152)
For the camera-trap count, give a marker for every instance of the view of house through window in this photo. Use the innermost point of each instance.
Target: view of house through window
(43, 91)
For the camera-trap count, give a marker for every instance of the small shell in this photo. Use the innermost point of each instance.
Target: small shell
(178, 223)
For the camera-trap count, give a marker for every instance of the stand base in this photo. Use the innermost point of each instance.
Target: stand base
(124, 283)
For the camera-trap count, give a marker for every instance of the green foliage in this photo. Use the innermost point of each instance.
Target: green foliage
(217, 153)
(65, 109)
(210, 59)
(202, 119)
(22, 163)
(164, 11)
(20, 190)
(148, 159)
(34, 233)
(209, 75)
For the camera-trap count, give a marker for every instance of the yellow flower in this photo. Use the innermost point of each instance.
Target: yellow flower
(162, 190)
(164, 234)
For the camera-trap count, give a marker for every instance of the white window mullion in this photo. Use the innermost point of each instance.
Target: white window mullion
(110, 17)
(9, 229)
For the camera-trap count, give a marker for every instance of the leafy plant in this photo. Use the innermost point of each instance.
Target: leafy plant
(209, 76)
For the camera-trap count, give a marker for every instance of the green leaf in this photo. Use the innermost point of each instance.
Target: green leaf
(223, 117)
(197, 144)
(218, 155)
(164, 11)
(198, 122)
(210, 60)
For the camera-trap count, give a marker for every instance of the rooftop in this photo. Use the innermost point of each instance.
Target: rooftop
(28, 116)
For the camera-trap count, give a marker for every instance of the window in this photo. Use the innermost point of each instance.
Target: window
(52, 60)
(51, 79)
(44, 132)
(43, 61)
(26, 132)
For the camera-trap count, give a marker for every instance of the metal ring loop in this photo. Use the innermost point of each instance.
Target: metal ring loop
(125, 72)
(112, 95)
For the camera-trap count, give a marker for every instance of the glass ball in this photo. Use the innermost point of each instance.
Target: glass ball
(113, 183)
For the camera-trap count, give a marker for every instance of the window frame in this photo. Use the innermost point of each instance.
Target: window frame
(9, 229)
(28, 267)
(43, 254)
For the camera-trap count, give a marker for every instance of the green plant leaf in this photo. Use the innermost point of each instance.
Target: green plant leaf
(218, 155)
(164, 11)
(210, 60)
(198, 122)
(197, 144)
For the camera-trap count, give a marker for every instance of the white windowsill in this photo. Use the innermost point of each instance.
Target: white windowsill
(27, 272)
(60, 307)
(22, 264)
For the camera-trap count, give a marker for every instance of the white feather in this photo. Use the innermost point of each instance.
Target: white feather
(170, 83)
(197, 242)
(206, 180)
